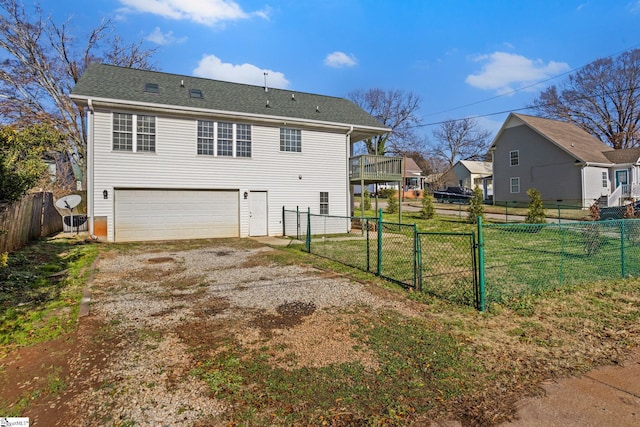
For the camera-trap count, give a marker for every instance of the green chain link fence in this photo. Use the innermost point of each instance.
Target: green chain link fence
(523, 259)
(442, 264)
(449, 266)
(506, 262)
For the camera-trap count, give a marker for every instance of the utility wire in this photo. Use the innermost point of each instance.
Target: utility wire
(520, 89)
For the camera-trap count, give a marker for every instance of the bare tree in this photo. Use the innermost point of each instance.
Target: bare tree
(461, 140)
(603, 98)
(395, 109)
(42, 62)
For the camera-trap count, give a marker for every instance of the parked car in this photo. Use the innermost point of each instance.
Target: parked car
(454, 195)
(617, 212)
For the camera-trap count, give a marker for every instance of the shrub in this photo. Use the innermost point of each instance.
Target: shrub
(535, 213)
(475, 208)
(428, 210)
(392, 203)
(367, 200)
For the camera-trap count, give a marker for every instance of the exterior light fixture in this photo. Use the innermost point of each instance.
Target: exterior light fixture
(246, 195)
(105, 194)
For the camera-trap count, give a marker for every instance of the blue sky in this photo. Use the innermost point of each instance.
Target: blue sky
(463, 58)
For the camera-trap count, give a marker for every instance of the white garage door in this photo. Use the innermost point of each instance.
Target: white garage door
(175, 214)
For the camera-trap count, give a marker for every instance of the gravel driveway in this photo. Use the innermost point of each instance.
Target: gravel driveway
(155, 312)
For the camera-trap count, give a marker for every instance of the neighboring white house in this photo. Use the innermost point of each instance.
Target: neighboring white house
(176, 157)
(565, 163)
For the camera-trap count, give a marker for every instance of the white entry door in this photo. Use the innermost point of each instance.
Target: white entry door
(258, 213)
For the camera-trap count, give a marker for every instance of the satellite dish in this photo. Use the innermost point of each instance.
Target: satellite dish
(68, 202)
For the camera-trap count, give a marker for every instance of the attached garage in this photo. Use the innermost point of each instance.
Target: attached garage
(175, 214)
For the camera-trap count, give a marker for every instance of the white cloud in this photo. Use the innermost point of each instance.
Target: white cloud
(504, 72)
(164, 39)
(211, 67)
(340, 60)
(634, 6)
(206, 12)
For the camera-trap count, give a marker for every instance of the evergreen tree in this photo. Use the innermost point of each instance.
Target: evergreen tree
(428, 210)
(367, 200)
(475, 208)
(535, 214)
(392, 203)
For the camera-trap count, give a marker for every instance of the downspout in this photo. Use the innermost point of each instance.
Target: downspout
(89, 160)
(350, 201)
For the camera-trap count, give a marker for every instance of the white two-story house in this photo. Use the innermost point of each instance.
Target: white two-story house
(178, 157)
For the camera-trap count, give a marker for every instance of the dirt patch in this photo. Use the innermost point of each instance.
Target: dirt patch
(288, 315)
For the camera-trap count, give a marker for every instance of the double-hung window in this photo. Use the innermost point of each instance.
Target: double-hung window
(243, 140)
(605, 179)
(291, 140)
(514, 185)
(205, 137)
(124, 137)
(514, 157)
(225, 139)
(324, 203)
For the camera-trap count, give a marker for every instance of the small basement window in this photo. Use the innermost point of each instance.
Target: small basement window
(196, 93)
(151, 87)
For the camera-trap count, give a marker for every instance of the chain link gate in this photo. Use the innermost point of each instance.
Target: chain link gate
(447, 266)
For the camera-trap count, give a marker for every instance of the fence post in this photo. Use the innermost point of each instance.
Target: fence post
(308, 239)
(416, 258)
(623, 264)
(379, 266)
(481, 278)
(506, 211)
(298, 222)
(366, 230)
(284, 227)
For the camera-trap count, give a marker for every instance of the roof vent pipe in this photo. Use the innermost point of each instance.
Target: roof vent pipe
(181, 83)
(266, 88)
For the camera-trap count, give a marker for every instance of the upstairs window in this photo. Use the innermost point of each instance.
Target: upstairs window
(125, 139)
(205, 137)
(122, 132)
(243, 140)
(514, 157)
(225, 139)
(146, 137)
(291, 140)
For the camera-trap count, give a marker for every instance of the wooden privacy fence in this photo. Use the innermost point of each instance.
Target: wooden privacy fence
(30, 218)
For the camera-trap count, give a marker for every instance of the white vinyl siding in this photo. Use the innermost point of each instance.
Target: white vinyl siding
(290, 180)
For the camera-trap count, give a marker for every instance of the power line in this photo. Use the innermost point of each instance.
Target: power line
(522, 88)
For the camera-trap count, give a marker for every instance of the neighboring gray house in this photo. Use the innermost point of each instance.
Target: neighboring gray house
(469, 173)
(177, 157)
(565, 163)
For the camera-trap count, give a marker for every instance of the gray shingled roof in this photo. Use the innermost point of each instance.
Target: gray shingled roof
(577, 142)
(626, 155)
(101, 82)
